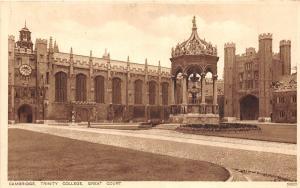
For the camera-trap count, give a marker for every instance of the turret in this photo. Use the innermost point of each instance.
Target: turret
(106, 55)
(25, 39)
(11, 58)
(91, 58)
(128, 64)
(229, 80)
(159, 67)
(50, 45)
(41, 50)
(265, 55)
(56, 50)
(71, 53)
(285, 56)
(71, 62)
(146, 65)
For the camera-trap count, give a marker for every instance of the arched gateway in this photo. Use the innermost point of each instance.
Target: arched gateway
(249, 108)
(191, 61)
(25, 114)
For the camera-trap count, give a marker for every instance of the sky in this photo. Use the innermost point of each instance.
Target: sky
(150, 30)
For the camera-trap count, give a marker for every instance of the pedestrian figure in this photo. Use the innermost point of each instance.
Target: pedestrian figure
(89, 123)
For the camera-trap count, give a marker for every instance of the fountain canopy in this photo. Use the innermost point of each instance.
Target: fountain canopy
(194, 45)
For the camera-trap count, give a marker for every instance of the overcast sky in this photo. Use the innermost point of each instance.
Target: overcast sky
(150, 30)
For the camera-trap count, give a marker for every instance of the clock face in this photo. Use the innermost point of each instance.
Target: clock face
(25, 70)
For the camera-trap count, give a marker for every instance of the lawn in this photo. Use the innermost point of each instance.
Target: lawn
(38, 156)
(274, 133)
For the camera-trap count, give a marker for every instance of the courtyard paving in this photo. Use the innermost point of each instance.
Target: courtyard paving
(255, 159)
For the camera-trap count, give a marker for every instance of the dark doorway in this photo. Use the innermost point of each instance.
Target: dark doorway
(249, 108)
(82, 115)
(25, 114)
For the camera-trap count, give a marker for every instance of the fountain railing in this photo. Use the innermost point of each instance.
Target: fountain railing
(194, 108)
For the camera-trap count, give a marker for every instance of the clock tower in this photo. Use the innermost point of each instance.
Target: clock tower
(23, 92)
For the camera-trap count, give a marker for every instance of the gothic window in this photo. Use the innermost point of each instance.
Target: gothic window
(80, 87)
(152, 93)
(17, 92)
(19, 61)
(60, 87)
(282, 114)
(32, 93)
(47, 77)
(164, 90)
(294, 113)
(256, 75)
(99, 89)
(138, 95)
(294, 99)
(281, 99)
(116, 91)
(241, 77)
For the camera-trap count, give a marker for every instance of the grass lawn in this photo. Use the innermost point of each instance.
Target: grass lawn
(38, 156)
(274, 133)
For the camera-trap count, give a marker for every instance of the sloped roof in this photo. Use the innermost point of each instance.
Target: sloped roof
(286, 83)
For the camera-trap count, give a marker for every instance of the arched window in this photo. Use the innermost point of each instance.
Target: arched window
(80, 87)
(60, 87)
(165, 93)
(99, 89)
(138, 92)
(152, 93)
(116, 91)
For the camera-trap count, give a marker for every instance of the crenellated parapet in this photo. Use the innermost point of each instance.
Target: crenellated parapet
(250, 51)
(11, 37)
(265, 36)
(41, 41)
(80, 61)
(285, 43)
(229, 45)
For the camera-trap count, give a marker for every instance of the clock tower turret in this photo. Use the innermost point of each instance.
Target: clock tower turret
(25, 38)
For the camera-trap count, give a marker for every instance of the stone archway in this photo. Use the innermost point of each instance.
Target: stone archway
(25, 114)
(249, 108)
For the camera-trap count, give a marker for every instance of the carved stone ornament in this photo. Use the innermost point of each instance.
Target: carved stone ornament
(194, 45)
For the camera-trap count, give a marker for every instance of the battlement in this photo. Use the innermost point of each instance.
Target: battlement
(11, 37)
(229, 45)
(285, 43)
(81, 61)
(41, 41)
(265, 36)
(250, 51)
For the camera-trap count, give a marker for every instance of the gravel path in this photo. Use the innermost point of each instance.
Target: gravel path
(279, 160)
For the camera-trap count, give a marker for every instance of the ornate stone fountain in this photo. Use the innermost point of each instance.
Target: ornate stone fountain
(194, 57)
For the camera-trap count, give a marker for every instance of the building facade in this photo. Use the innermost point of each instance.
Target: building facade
(285, 99)
(48, 85)
(248, 79)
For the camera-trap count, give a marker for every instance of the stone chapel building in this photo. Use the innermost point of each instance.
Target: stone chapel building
(48, 85)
